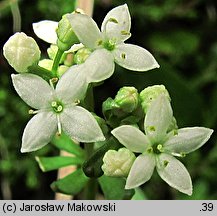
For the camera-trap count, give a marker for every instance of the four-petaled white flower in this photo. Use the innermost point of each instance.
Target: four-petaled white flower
(108, 44)
(57, 110)
(158, 147)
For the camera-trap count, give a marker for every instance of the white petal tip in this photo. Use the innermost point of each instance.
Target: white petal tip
(210, 132)
(13, 76)
(156, 65)
(188, 192)
(22, 150)
(128, 187)
(101, 138)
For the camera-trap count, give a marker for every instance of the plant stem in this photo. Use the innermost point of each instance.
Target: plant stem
(90, 189)
(42, 72)
(56, 61)
(87, 7)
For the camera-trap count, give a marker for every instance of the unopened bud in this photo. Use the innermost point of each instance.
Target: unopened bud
(21, 52)
(127, 99)
(46, 63)
(61, 70)
(118, 163)
(65, 34)
(81, 55)
(151, 93)
(52, 51)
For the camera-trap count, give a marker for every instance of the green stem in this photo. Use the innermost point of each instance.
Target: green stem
(42, 72)
(89, 99)
(91, 187)
(57, 61)
(90, 190)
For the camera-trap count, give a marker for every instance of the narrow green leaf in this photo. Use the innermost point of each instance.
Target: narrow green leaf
(53, 163)
(71, 184)
(113, 188)
(63, 142)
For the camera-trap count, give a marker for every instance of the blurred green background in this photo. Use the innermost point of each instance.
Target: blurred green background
(181, 34)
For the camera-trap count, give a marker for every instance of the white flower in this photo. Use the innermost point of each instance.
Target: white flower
(108, 44)
(158, 147)
(57, 110)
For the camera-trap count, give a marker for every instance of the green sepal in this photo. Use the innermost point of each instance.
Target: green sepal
(52, 163)
(72, 184)
(63, 142)
(92, 167)
(113, 188)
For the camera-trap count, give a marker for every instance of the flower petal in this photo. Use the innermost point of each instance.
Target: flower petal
(72, 85)
(100, 65)
(188, 140)
(158, 118)
(117, 23)
(174, 173)
(134, 57)
(75, 48)
(35, 91)
(132, 138)
(39, 131)
(79, 124)
(141, 171)
(85, 29)
(46, 30)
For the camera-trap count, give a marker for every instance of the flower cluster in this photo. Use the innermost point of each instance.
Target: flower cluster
(57, 104)
(158, 146)
(56, 88)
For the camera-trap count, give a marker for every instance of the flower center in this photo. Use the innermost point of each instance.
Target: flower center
(109, 44)
(57, 106)
(156, 149)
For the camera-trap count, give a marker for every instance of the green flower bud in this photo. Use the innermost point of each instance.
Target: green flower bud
(82, 55)
(118, 163)
(127, 99)
(21, 52)
(46, 63)
(65, 34)
(61, 70)
(52, 51)
(151, 93)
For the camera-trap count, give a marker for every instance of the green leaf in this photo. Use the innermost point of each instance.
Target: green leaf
(113, 188)
(63, 142)
(53, 163)
(71, 184)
